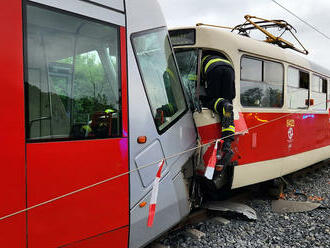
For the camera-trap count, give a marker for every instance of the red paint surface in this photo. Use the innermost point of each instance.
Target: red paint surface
(151, 216)
(12, 176)
(272, 140)
(240, 124)
(310, 131)
(116, 239)
(58, 168)
(209, 133)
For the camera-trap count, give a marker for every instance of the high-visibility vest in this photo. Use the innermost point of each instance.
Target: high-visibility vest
(108, 111)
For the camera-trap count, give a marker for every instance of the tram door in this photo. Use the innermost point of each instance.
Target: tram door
(76, 122)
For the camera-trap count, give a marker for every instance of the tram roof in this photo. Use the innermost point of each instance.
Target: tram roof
(230, 42)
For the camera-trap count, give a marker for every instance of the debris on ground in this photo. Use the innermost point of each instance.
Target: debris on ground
(234, 207)
(195, 234)
(271, 229)
(284, 206)
(221, 220)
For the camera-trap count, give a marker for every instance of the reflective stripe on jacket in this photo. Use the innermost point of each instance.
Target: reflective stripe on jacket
(209, 62)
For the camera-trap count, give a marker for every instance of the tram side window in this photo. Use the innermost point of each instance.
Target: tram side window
(160, 76)
(324, 85)
(261, 83)
(325, 91)
(298, 85)
(72, 77)
(319, 93)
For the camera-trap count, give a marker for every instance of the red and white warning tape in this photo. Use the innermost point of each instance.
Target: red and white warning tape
(154, 194)
(210, 167)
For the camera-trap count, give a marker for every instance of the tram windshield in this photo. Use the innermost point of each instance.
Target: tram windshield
(187, 62)
(160, 76)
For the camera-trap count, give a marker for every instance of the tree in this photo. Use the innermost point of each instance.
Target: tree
(252, 97)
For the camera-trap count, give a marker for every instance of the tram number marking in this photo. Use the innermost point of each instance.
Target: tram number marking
(290, 133)
(290, 123)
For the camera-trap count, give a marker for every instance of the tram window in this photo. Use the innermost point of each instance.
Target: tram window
(261, 83)
(328, 90)
(303, 80)
(293, 77)
(316, 84)
(182, 37)
(317, 93)
(273, 73)
(297, 89)
(187, 62)
(325, 90)
(251, 69)
(160, 77)
(72, 77)
(324, 85)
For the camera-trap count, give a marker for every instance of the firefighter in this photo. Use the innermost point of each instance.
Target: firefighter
(219, 81)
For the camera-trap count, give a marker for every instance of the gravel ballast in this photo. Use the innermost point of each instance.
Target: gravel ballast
(305, 229)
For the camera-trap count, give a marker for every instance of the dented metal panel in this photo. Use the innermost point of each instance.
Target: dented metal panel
(149, 155)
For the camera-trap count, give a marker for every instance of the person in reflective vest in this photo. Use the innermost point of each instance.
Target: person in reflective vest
(100, 125)
(219, 80)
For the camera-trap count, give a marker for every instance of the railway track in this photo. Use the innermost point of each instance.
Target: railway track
(311, 184)
(317, 168)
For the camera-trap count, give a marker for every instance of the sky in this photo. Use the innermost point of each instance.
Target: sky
(231, 13)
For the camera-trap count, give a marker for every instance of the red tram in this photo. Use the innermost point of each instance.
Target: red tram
(79, 74)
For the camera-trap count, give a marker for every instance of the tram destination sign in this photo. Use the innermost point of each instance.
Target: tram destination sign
(183, 37)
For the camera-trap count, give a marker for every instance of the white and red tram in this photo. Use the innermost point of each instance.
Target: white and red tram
(281, 105)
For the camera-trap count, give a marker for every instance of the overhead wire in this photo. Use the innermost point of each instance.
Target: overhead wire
(302, 20)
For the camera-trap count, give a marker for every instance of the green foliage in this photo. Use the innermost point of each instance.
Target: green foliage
(274, 97)
(252, 97)
(257, 97)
